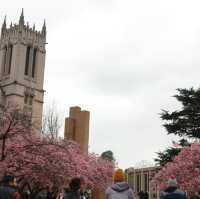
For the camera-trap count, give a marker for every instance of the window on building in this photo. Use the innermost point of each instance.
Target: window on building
(7, 59)
(4, 59)
(28, 111)
(26, 99)
(28, 102)
(26, 72)
(34, 62)
(138, 182)
(146, 182)
(10, 51)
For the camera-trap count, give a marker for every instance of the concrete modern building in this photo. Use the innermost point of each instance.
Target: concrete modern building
(77, 127)
(22, 63)
(139, 179)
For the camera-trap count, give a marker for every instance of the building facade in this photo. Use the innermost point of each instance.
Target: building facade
(139, 179)
(22, 63)
(77, 127)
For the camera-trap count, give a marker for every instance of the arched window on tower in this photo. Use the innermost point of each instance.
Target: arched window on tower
(10, 51)
(4, 60)
(26, 72)
(28, 102)
(34, 62)
(31, 62)
(7, 60)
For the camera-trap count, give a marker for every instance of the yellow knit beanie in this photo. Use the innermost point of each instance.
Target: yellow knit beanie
(119, 176)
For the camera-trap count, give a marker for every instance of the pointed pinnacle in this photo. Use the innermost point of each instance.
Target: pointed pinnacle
(22, 13)
(4, 23)
(33, 27)
(44, 25)
(44, 28)
(21, 19)
(4, 20)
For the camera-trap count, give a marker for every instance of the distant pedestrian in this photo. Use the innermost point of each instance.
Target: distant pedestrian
(52, 193)
(195, 196)
(8, 188)
(172, 191)
(120, 189)
(146, 195)
(82, 188)
(73, 192)
(141, 195)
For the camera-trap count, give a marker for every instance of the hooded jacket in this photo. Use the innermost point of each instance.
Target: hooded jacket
(173, 193)
(120, 190)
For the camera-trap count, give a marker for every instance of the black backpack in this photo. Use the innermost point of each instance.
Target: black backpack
(72, 195)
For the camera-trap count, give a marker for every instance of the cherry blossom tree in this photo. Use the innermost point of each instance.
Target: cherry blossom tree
(185, 167)
(42, 163)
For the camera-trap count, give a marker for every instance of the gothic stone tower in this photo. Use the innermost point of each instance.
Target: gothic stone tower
(22, 62)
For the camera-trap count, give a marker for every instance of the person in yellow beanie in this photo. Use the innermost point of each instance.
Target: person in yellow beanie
(119, 189)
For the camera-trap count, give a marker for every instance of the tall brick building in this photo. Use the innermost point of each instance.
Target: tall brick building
(77, 127)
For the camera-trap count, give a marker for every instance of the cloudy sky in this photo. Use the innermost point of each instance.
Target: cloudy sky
(120, 59)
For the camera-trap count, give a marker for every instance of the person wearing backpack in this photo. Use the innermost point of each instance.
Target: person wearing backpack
(73, 192)
(8, 188)
(172, 191)
(119, 189)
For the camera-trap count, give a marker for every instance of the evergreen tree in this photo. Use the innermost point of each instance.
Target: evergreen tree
(184, 122)
(168, 154)
(108, 155)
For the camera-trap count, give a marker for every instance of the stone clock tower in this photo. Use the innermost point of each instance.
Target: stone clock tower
(22, 63)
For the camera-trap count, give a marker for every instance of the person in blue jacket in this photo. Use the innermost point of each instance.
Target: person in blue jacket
(172, 191)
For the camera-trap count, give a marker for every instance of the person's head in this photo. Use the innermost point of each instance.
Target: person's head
(75, 184)
(83, 184)
(119, 176)
(172, 183)
(9, 180)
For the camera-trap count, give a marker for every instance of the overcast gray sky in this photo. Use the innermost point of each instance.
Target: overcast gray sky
(120, 59)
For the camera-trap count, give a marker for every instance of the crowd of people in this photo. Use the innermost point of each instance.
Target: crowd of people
(76, 190)
(121, 190)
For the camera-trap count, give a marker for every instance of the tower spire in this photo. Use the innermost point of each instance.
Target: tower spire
(4, 23)
(3, 28)
(21, 19)
(44, 29)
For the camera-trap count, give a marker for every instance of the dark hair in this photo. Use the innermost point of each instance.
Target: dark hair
(8, 179)
(75, 184)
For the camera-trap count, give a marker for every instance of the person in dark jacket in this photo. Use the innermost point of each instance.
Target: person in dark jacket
(74, 189)
(172, 191)
(8, 188)
(146, 195)
(141, 195)
(120, 189)
(196, 196)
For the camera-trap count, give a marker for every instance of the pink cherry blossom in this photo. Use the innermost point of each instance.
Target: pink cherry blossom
(185, 168)
(40, 162)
